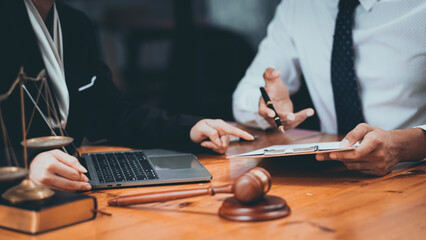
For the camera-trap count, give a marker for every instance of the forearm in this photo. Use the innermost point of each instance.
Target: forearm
(411, 144)
(124, 122)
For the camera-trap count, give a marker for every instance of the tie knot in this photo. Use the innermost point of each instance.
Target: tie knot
(348, 5)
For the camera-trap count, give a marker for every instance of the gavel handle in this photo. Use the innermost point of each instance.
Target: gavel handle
(167, 196)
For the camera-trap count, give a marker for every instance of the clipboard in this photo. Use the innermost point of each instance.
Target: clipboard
(294, 149)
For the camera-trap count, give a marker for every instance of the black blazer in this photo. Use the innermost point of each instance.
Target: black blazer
(99, 112)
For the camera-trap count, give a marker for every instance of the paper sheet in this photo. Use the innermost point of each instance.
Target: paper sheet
(322, 146)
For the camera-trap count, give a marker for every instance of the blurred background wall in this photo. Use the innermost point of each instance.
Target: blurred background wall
(185, 56)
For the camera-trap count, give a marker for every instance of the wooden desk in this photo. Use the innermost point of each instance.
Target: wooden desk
(327, 202)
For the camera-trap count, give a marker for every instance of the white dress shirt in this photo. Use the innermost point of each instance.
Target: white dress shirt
(390, 61)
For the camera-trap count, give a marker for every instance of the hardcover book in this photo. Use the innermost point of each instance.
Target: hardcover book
(63, 209)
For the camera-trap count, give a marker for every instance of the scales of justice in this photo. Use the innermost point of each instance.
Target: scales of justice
(27, 192)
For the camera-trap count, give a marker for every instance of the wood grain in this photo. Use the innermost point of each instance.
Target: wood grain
(326, 200)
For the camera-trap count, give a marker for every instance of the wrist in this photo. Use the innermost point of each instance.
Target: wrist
(411, 144)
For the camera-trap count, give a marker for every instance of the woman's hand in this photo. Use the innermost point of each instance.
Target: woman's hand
(214, 134)
(58, 170)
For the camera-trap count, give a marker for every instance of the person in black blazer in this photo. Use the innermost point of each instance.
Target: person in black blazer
(95, 112)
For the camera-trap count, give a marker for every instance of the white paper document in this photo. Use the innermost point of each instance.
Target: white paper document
(294, 149)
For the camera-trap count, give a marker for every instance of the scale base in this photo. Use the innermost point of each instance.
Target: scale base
(28, 193)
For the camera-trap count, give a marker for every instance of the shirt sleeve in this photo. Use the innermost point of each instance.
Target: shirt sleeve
(125, 123)
(278, 51)
(422, 127)
(111, 115)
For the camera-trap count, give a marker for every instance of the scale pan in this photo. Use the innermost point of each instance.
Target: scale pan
(12, 173)
(48, 142)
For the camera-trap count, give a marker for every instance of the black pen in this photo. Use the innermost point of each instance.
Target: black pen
(269, 105)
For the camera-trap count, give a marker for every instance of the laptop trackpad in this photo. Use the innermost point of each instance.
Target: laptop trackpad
(178, 161)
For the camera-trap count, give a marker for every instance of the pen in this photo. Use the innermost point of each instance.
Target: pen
(269, 104)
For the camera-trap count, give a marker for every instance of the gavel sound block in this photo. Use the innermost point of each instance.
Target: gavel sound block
(249, 202)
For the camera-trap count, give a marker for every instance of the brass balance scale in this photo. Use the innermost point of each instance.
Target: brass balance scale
(27, 192)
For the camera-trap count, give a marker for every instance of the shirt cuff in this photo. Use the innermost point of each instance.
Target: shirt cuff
(421, 127)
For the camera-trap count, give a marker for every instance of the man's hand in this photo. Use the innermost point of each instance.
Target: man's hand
(379, 150)
(280, 97)
(214, 134)
(58, 170)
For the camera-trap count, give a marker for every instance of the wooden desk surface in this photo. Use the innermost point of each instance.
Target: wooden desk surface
(327, 202)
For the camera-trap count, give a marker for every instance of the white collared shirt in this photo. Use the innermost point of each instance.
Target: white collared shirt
(390, 61)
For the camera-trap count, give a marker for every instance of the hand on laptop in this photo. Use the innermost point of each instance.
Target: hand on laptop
(280, 97)
(214, 134)
(58, 170)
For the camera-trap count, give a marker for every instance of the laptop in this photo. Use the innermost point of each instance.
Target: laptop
(142, 167)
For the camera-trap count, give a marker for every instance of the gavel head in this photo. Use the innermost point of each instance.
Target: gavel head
(252, 186)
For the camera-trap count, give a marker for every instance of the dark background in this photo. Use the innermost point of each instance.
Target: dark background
(180, 55)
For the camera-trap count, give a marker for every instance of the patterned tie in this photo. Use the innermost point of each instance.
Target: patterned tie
(343, 78)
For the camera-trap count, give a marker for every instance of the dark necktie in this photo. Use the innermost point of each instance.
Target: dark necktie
(343, 77)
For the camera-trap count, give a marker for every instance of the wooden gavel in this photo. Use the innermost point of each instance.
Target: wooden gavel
(247, 189)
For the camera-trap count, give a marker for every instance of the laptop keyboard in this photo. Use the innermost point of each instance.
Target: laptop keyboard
(122, 167)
